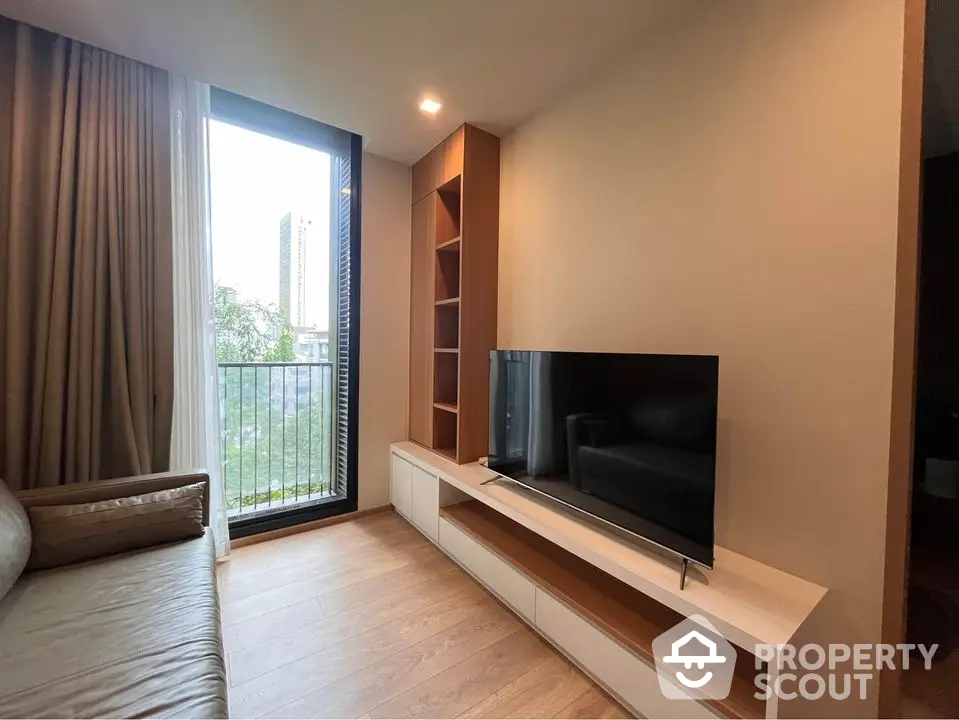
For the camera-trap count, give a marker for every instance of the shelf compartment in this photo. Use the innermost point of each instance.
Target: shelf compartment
(445, 380)
(446, 328)
(444, 431)
(447, 207)
(449, 453)
(447, 275)
(622, 612)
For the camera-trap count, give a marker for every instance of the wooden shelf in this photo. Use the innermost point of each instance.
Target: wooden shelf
(448, 301)
(446, 324)
(449, 205)
(446, 381)
(446, 350)
(626, 614)
(450, 245)
(452, 186)
(448, 453)
(447, 276)
(445, 427)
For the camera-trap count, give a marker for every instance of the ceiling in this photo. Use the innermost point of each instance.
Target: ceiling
(364, 64)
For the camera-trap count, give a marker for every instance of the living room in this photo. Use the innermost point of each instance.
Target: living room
(737, 180)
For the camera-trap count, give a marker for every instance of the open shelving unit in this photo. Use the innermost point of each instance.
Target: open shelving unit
(453, 305)
(446, 321)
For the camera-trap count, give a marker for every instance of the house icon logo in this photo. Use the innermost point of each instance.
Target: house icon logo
(693, 661)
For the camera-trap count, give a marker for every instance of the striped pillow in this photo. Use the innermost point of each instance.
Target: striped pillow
(66, 534)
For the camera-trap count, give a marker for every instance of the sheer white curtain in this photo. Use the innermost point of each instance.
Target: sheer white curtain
(196, 410)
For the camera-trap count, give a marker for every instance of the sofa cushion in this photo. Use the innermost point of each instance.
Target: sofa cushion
(14, 539)
(65, 534)
(132, 635)
(684, 423)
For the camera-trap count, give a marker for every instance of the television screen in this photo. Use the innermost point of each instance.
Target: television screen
(629, 439)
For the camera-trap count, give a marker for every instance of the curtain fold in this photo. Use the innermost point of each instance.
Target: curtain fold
(86, 308)
(196, 411)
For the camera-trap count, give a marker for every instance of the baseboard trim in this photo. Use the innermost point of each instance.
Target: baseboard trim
(307, 526)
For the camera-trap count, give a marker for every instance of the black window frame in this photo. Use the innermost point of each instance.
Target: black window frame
(276, 122)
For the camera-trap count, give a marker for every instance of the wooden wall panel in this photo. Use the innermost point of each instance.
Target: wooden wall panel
(451, 164)
(478, 288)
(422, 176)
(904, 355)
(438, 166)
(421, 323)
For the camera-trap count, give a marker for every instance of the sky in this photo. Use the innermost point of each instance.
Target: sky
(255, 180)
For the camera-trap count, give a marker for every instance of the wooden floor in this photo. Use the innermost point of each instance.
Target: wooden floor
(369, 619)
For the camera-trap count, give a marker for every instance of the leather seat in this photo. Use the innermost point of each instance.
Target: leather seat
(128, 635)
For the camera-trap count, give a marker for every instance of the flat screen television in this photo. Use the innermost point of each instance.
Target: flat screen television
(629, 439)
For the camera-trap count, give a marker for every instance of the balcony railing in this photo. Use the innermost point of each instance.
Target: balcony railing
(277, 423)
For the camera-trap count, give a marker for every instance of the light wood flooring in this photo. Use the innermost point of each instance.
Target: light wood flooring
(369, 619)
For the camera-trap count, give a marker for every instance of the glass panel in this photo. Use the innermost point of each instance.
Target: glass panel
(274, 277)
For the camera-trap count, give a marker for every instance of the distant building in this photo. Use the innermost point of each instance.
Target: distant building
(313, 346)
(286, 237)
(296, 239)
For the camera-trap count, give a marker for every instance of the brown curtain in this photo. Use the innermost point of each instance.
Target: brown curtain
(86, 352)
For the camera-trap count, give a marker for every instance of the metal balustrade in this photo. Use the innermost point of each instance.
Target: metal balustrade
(277, 434)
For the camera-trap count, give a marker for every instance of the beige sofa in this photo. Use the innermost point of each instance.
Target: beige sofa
(129, 634)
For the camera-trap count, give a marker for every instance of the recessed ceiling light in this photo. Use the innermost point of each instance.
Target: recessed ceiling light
(431, 106)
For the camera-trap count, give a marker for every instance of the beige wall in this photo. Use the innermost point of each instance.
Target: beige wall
(731, 188)
(384, 322)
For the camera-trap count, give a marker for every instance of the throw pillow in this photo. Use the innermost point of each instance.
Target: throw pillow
(67, 534)
(14, 539)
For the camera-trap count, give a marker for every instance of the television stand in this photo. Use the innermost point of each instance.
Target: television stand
(684, 561)
(597, 598)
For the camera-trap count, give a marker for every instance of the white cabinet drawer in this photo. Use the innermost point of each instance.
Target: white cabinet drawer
(622, 672)
(401, 485)
(513, 587)
(426, 503)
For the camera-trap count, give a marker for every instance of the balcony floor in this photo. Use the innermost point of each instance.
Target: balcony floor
(277, 505)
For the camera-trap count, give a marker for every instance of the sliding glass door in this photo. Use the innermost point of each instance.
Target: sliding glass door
(285, 229)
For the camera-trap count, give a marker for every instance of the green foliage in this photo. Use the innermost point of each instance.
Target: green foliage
(246, 329)
(277, 429)
(283, 350)
(276, 421)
